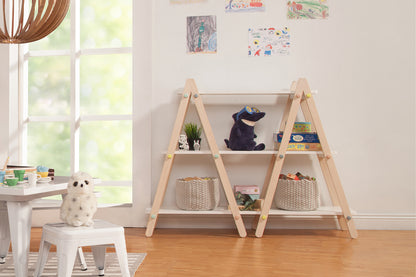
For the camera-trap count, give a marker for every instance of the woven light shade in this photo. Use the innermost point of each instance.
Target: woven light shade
(24, 21)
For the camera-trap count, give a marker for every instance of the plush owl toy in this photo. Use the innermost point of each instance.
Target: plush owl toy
(80, 204)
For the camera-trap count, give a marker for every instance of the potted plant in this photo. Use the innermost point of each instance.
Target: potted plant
(193, 134)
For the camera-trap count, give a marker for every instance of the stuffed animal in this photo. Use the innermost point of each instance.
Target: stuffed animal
(80, 204)
(242, 133)
(183, 143)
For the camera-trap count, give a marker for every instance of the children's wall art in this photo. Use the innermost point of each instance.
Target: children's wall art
(311, 9)
(268, 41)
(201, 34)
(244, 5)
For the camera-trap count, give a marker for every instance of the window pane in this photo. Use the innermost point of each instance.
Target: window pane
(49, 145)
(106, 23)
(106, 149)
(49, 85)
(114, 195)
(58, 39)
(107, 195)
(106, 86)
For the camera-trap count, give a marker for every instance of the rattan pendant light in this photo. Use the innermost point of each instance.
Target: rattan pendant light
(24, 21)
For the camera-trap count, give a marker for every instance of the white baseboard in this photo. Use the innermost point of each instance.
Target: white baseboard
(362, 222)
(385, 221)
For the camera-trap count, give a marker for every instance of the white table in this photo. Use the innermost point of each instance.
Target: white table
(16, 218)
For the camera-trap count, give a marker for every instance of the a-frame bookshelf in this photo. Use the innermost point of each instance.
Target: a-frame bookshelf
(190, 92)
(299, 99)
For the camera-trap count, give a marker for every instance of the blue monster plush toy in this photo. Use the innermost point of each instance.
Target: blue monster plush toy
(242, 133)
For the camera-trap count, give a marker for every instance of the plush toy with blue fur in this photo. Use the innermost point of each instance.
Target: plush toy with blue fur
(242, 133)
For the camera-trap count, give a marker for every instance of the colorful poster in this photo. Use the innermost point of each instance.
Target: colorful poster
(311, 9)
(268, 41)
(201, 34)
(244, 5)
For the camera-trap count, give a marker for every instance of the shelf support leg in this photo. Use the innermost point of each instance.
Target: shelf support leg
(265, 187)
(218, 162)
(331, 189)
(168, 162)
(277, 168)
(332, 173)
(324, 166)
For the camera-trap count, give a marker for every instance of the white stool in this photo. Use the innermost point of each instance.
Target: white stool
(68, 239)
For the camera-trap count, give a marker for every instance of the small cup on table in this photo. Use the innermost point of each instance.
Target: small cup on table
(2, 174)
(43, 171)
(11, 181)
(32, 179)
(19, 174)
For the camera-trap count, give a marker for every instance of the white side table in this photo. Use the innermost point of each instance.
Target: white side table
(16, 218)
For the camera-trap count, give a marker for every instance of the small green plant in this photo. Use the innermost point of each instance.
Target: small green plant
(192, 131)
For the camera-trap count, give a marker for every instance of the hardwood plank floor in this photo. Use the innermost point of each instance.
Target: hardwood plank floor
(218, 252)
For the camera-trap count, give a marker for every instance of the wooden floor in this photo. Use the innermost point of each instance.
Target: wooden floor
(186, 252)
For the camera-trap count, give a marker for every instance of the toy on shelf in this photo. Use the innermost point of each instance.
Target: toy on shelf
(242, 133)
(247, 197)
(297, 176)
(183, 143)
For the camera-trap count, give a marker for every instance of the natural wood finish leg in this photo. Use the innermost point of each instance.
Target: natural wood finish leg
(218, 162)
(169, 158)
(329, 160)
(324, 166)
(265, 187)
(191, 92)
(294, 107)
(331, 189)
(273, 159)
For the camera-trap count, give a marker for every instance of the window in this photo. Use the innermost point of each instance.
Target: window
(76, 100)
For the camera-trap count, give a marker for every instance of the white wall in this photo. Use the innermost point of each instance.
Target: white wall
(4, 102)
(8, 103)
(362, 62)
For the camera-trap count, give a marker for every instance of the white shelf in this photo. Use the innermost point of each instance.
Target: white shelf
(322, 211)
(282, 92)
(230, 152)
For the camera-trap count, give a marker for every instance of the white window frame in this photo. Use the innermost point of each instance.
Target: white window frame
(134, 215)
(75, 118)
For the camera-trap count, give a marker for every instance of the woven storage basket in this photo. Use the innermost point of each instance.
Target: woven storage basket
(197, 195)
(297, 195)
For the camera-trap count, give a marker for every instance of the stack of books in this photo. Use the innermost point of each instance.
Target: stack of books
(301, 138)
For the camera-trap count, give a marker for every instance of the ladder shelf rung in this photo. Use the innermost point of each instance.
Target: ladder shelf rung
(322, 211)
